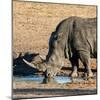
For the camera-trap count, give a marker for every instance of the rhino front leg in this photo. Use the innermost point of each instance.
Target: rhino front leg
(85, 58)
(74, 62)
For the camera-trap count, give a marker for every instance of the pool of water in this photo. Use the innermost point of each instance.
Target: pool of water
(39, 79)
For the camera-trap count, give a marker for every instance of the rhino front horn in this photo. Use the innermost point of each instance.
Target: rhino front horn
(30, 64)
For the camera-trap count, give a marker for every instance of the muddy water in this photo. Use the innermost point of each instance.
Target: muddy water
(39, 79)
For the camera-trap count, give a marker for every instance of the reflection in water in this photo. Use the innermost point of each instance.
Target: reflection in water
(39, 79)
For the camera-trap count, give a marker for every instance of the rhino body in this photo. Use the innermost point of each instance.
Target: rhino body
(74, 38)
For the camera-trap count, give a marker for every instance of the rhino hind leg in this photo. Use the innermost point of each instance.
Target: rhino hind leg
(85, 58)
(74, 62)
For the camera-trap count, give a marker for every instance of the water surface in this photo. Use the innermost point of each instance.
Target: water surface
(39, 79)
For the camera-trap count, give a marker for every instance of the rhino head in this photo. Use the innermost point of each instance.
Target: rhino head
(54, 60)
(49, 70)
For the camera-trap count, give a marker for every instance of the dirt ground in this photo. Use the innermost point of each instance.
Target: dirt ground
(33, 24)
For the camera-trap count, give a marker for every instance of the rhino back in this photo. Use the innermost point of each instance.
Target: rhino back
(84, 35)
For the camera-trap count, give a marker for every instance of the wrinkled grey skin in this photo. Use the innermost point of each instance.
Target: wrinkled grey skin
(74, 38)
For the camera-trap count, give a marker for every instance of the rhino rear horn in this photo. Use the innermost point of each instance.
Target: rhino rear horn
(30, 64)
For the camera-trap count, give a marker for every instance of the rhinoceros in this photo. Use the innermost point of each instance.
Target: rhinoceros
(74, 38)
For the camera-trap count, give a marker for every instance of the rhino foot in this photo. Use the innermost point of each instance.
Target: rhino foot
(90, 75)
(74, 74)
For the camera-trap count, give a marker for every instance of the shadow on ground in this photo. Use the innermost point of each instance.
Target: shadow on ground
(20, 68)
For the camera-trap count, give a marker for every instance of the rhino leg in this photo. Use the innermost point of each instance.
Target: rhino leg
(74, 62)
(85, 58)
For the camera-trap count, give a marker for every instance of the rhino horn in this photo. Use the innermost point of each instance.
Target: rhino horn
(30, 64)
